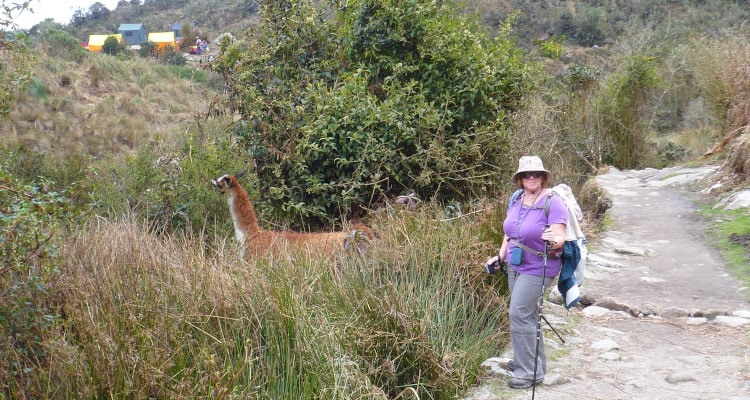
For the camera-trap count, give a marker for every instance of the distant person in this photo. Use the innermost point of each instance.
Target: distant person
(198, 45)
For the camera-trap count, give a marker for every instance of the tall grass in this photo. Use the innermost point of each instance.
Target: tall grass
(147, 316)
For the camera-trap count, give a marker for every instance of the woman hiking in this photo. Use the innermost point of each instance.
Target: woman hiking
(531, 238)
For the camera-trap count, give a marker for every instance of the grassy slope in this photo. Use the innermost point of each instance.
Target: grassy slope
(536, 19)
(105, 104)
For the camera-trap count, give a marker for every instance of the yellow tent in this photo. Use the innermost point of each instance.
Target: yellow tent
(97, 41)
(162, 40)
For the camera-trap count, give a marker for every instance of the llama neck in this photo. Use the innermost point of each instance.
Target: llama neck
(243, 214)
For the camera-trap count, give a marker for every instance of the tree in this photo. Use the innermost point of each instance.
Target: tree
(186, 32)
(78, 18)
(387, 98)
(112, 46)
(98, 11)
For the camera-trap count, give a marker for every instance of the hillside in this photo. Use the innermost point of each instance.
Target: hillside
(583, 23)
(594, 40)
(209, 17)
(101, 104)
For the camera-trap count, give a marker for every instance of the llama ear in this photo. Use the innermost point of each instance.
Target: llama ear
(241, 174)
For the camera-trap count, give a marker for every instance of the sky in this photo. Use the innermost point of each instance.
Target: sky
(59, 10)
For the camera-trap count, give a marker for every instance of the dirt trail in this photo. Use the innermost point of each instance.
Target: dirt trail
(667, 320)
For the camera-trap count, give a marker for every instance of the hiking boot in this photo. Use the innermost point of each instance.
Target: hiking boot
(510, 365)
(519, 383)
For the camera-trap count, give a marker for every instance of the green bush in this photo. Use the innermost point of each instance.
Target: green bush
(168, 188)
(172, 57)
(112, 46)
(621, 104)
(61, 44)
(148, 49)
(585, 28)
(382, 100)
(61, 172)
(187, 34)
(33, 221)
(15, 64)
(671, 152)
(553, 47)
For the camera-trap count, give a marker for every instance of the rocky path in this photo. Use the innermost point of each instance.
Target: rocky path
(664, 321)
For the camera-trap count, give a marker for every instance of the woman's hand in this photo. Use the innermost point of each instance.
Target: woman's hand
(554, 235)
(494, 259)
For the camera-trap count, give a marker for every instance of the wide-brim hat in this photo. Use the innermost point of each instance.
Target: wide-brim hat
(530, 164)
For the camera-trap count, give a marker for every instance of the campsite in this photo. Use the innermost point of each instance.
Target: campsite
(133, 36)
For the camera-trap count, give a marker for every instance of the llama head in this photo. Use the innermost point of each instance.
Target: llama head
(226, 182)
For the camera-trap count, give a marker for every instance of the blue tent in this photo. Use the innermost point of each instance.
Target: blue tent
(176, 28)
(133, 34)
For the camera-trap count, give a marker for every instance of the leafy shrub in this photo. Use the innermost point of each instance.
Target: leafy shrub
(168, 56)
(553, 47)
(148, 49)
(168, 188)
(585, 27)
(382, 100)
(32, 218)
(61, 172)
(112, 46)
(15, 65)
(61, 44)
(582, 78)
(187, 34)
(671, 152)
(620, 106)
(172, 57)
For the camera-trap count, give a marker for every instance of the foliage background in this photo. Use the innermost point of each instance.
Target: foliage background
(382, 100)
(113, 244)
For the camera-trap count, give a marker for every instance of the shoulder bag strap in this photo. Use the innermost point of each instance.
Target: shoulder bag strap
(526, 248)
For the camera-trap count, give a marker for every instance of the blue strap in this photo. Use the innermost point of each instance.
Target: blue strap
(514, 198)
(547, 201)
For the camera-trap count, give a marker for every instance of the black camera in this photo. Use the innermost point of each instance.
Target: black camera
(493, 267)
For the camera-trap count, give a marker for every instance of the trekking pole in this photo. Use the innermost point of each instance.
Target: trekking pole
(553, 330)
(539, 321)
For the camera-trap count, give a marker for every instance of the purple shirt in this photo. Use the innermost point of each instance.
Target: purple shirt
(526, 224)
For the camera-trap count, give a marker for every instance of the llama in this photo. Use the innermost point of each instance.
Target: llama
(257, 242)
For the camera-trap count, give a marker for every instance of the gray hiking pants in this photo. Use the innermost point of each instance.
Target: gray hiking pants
(524, 317)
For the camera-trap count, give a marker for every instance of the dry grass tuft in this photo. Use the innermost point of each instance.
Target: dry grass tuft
(721, 70)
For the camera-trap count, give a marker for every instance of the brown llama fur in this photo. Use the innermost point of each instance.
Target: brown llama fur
(258, 242)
